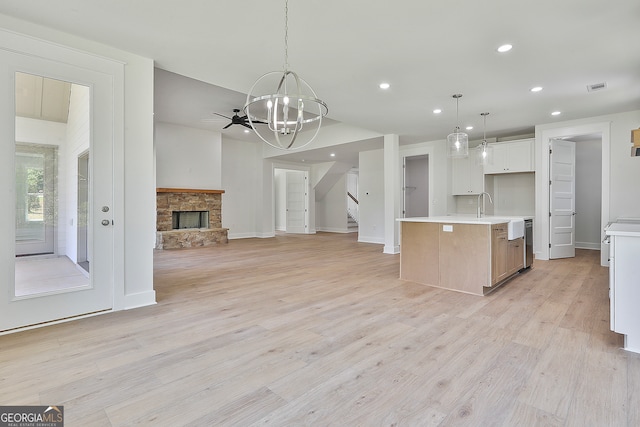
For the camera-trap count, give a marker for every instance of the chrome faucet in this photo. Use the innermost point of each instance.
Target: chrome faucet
(480, 211)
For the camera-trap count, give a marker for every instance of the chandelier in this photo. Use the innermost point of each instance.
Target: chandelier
(457, 142)
(286, 104)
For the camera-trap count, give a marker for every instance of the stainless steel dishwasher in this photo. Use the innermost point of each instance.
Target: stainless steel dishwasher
(528, 243)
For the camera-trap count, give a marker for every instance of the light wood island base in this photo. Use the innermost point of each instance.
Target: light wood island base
(469, 258)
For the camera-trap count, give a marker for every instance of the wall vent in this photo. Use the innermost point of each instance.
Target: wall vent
(597, 86)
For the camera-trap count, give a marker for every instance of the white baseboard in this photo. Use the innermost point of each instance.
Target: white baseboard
(233, 236)
(588, 245)
(141, 299)
(391, 250)
(369, 239)
(332, 230)
(265, 235)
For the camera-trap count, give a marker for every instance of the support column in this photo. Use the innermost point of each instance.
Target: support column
(391, 194)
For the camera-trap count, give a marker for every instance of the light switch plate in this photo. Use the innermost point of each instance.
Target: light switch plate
(448, 228)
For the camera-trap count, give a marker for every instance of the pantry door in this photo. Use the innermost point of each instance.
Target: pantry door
(562, 199)
(53, 116)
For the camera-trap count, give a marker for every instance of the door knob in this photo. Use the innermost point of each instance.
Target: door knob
(105, 222)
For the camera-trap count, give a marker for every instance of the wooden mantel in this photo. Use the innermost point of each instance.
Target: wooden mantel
(188, 190)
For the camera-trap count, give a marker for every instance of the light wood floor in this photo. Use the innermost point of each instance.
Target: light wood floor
(319, 331)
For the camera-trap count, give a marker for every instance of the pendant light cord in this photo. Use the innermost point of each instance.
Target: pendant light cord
(484, 127)
(457, 97)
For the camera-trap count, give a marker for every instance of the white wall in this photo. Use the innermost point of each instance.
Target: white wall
(280, 199)
(588, 193)
(242, 185)
(513, 194)
(331, 211)
(625, 170)
(371, 226)
(77, 142)
(188, 157)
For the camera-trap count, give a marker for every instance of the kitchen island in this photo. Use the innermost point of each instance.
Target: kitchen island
(461, 253)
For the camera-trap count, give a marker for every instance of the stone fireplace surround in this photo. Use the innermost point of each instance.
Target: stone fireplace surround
(169, 200)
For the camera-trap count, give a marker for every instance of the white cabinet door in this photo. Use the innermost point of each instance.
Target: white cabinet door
(511, 157)
(467, 178)
(498, 164)
(520, 156)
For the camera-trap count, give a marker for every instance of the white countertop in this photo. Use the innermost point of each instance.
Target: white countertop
(465, 219)
(623, 229)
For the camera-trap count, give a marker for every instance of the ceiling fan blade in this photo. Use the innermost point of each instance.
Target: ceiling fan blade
(218, 114)
(227, 126)
(259, 122)
(247, 126)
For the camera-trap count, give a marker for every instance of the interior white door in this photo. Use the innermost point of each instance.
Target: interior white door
(296, 202)
(562, 225)
(36, 289)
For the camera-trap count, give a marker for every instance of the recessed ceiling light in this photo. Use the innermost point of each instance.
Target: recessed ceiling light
(246, 131)
(437, 111)
(332, 154)
(469, 127)
(384, 85)
(505, 48)
(556, 113)
(536, 89)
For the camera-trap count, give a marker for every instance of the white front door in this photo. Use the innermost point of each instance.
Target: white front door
(296, 202)
(562, 199)
(52, 115)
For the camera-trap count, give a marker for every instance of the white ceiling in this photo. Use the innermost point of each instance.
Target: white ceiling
(427, 50)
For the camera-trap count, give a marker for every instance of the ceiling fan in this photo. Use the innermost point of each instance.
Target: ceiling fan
(236, 119)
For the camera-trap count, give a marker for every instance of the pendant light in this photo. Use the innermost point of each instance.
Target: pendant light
(457, 142)
(484, 150)
(289, 106)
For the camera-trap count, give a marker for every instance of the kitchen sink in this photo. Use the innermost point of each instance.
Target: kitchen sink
(515, 229)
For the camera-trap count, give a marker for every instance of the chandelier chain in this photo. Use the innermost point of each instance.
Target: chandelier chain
(286, 35)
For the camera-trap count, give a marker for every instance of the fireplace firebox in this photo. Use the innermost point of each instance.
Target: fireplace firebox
(190, 219)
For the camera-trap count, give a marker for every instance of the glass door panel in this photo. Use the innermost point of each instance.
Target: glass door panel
(49, 233)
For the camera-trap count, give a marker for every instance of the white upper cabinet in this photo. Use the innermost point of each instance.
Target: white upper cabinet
(466, 177)
(511, 157)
